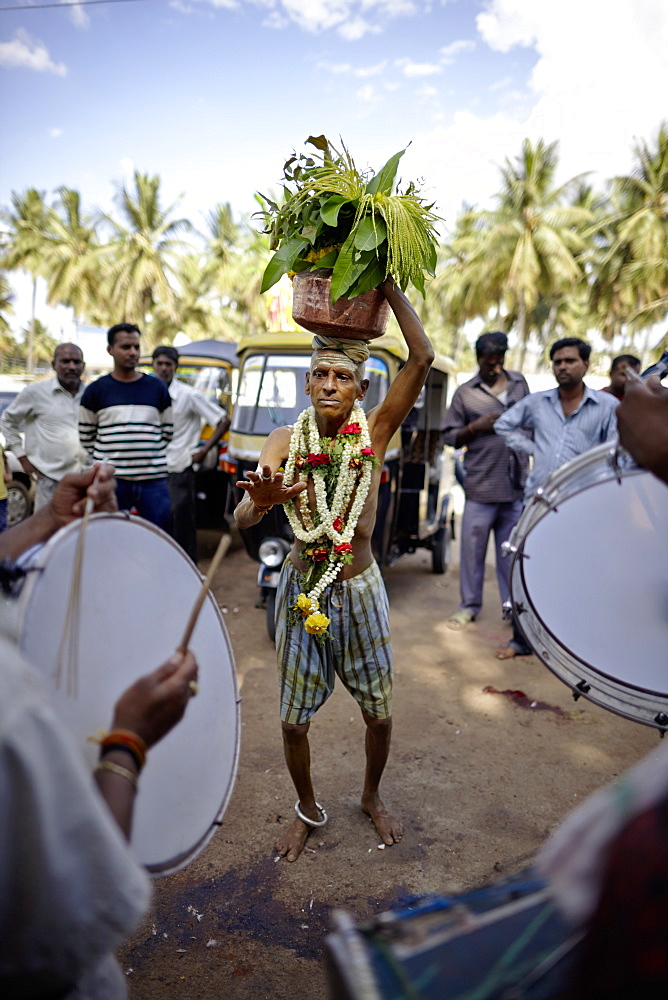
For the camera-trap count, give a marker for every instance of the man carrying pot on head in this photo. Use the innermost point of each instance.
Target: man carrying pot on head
(332, 614)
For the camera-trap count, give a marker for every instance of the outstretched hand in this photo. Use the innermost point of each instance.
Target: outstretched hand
(268, 489)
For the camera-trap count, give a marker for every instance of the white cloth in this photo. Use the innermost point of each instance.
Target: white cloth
(189, 409)
(70, 889)
(574, 858)
(49, 418)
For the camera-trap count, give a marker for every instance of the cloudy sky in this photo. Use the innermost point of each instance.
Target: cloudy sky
(213, 95)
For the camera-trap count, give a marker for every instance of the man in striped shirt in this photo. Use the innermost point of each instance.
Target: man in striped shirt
(565, 422)
(126, 419)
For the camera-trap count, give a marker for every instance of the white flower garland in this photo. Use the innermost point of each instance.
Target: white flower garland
(305, 436)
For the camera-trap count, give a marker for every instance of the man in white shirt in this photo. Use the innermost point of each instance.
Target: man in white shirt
(189, 409)
(47, 413)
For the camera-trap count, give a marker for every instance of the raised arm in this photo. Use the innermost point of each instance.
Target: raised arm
(265, 487)
(385, 419)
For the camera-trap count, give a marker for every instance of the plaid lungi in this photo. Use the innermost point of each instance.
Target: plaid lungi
(359, 649)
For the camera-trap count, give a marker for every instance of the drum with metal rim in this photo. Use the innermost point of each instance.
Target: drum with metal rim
(589, 582)
(137, 590)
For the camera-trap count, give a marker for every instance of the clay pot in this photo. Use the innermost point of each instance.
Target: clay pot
(362, 318)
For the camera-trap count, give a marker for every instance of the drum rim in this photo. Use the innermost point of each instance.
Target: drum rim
(570, 668)
(175, 863)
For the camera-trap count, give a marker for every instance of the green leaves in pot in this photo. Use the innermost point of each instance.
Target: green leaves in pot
(332, 217)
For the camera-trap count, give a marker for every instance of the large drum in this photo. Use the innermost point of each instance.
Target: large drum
(589, 582)
(137, 590)
(505, 941)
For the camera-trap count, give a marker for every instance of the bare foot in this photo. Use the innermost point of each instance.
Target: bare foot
(291, 843)
(390, 830)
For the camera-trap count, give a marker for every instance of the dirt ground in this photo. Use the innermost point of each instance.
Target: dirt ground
(479, 778)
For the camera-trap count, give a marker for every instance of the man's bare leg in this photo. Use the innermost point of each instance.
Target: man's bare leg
(298, 758)
(377, 746)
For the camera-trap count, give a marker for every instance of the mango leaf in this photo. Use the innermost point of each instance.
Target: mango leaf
(301, 264)
(310, 233)
(368, 235)
(329, 212)
(282, 261)
(418, 281)
(348, 268)
(381, 183)
(319, 141)
(371, 277)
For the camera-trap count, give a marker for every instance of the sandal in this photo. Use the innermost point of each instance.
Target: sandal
(460, 620)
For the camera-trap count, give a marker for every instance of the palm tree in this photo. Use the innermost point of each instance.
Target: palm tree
(44, 344)
(6, 304)
(532, 240)
(141, 269)
(641, 244)
(29, 225)
(465, 286)
(70, 257)
(8, 345)
(223, 233)
(193, 312)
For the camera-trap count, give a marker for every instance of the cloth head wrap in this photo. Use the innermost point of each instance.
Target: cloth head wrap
(351, 353)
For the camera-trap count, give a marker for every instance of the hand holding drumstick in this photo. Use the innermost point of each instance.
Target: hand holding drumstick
(642, 419)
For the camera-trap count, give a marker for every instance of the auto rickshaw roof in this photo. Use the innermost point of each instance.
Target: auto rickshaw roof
(204, 350)
(289, 341)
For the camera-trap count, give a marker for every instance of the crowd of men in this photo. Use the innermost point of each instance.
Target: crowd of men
(501, 424)
(148, 428)
(62, 856)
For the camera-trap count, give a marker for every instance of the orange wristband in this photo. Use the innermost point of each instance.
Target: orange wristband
(124, 739)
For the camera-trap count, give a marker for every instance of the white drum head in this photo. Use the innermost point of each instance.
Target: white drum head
(137, 590)
(590, 581)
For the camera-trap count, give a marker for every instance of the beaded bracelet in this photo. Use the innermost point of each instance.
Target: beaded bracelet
(124, 739)
(262, 510)
(123, 772)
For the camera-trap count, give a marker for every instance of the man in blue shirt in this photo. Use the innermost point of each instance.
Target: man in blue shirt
(565, 422)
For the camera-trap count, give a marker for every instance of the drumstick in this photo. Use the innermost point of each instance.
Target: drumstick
(72, 616)
(220, 552)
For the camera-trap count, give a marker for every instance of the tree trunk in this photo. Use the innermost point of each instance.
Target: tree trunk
(31, 330)
(521, 348)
